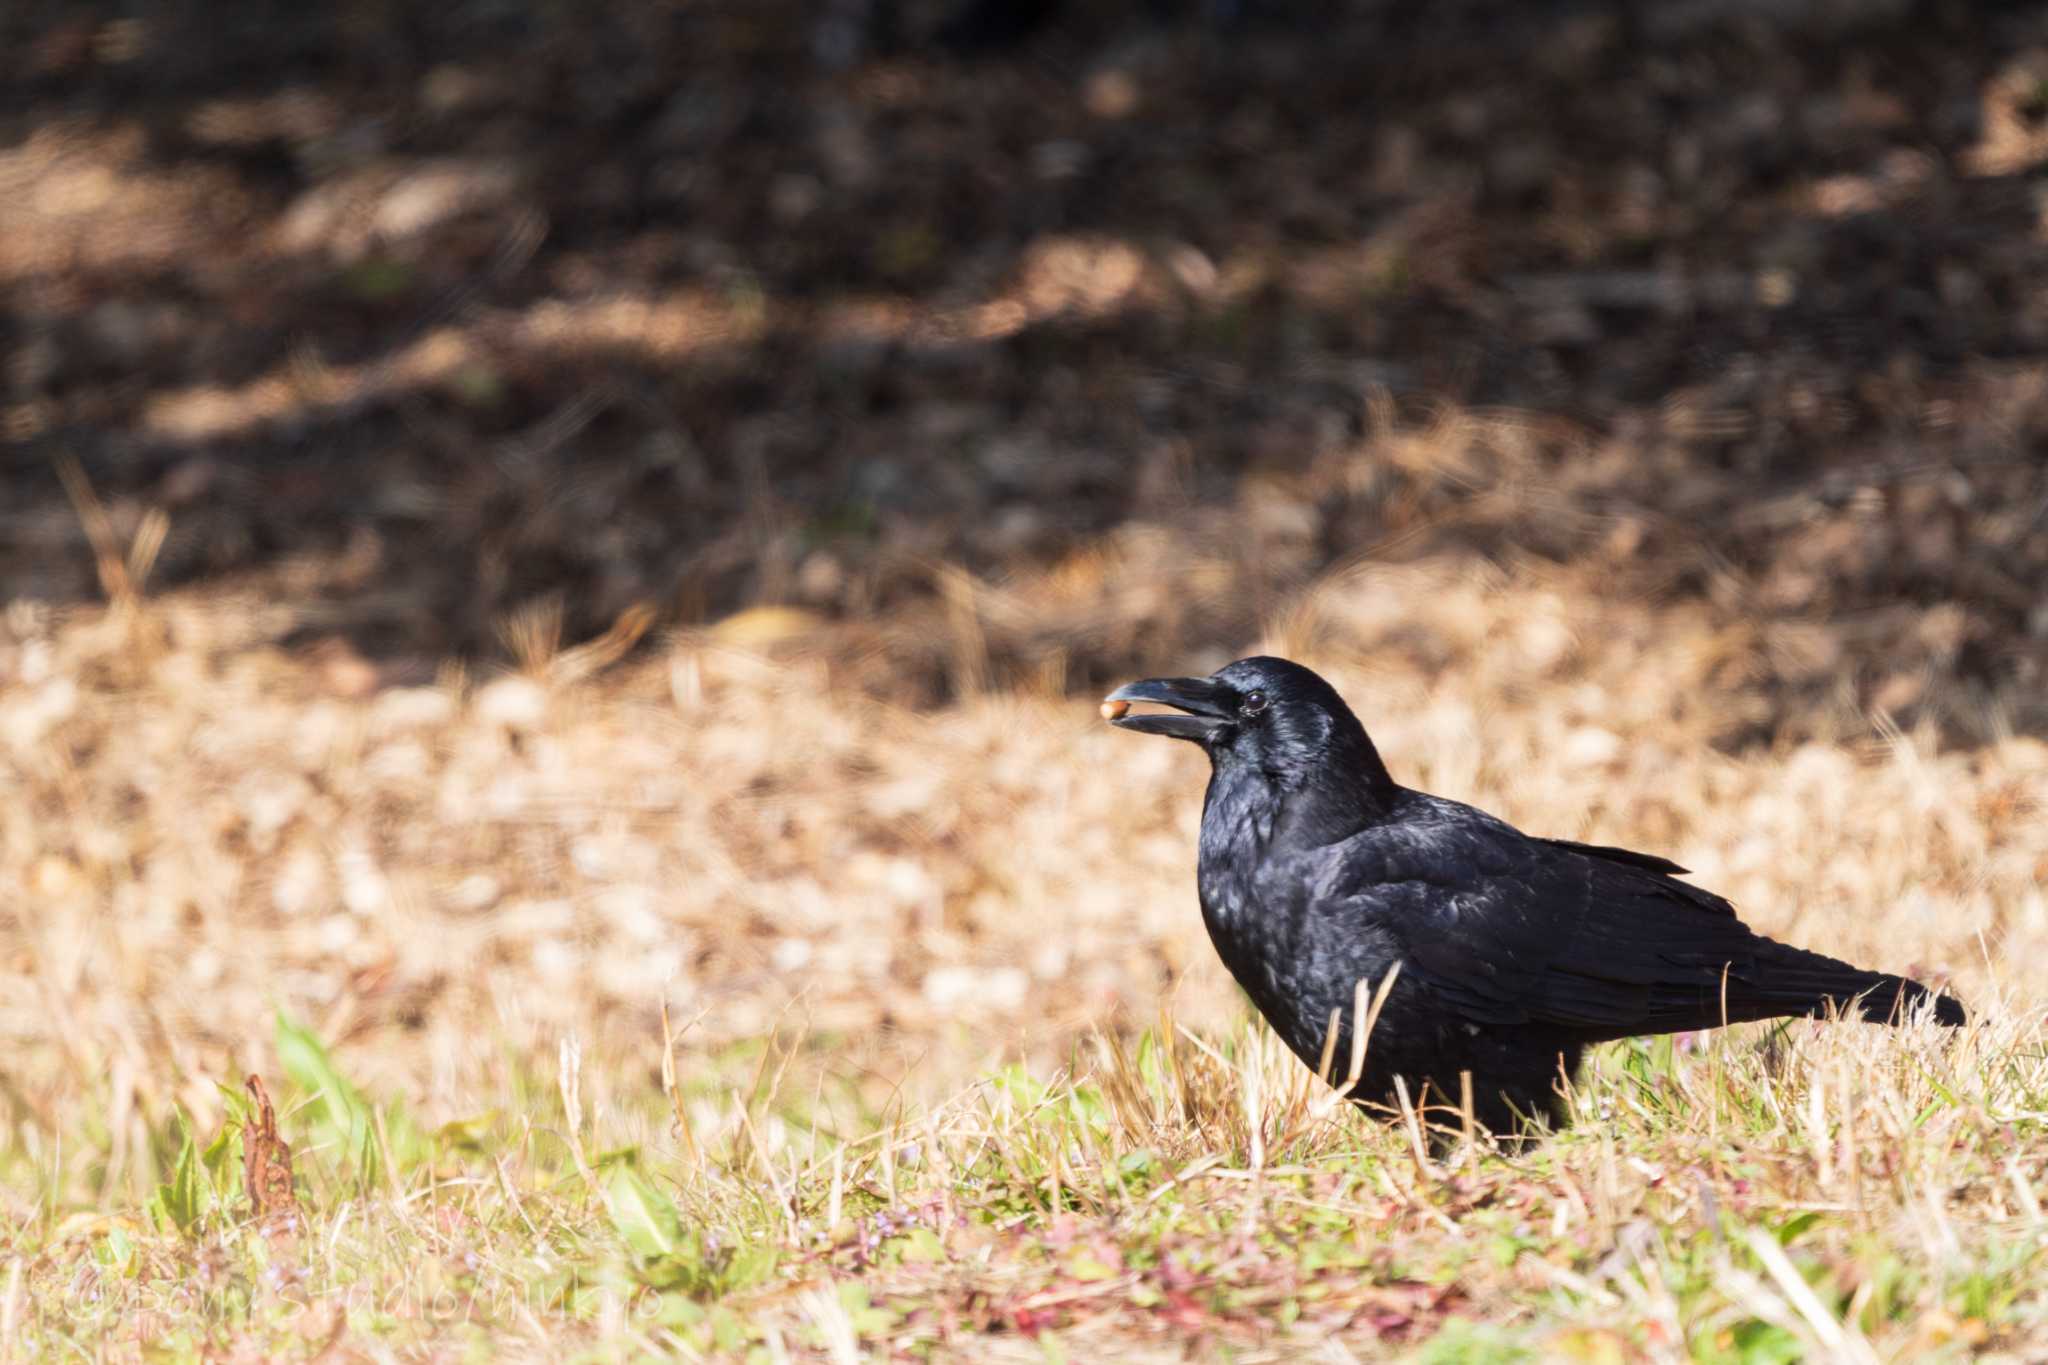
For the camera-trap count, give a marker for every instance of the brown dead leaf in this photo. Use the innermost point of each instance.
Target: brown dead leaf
(342, 670)
(267, 1169)
(596, 655)
(1595, 1346)
(759, 628)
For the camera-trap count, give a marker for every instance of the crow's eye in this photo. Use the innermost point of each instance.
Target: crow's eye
(1254, 703)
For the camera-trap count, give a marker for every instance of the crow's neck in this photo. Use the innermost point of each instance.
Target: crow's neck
(1351, 788)
(1347, 790)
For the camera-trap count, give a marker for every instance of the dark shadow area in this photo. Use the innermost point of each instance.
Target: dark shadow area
(410, 316)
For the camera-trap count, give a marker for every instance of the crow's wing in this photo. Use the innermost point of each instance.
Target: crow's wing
(1504, 929)
(1663, 878)
(1626, 856)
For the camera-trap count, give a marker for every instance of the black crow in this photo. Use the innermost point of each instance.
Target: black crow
(1317, 870)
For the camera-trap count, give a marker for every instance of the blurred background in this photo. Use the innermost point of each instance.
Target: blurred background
(514, 512)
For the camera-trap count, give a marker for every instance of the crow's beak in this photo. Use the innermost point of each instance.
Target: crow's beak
(1210, 708)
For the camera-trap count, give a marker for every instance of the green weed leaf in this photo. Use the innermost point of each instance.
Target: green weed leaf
(347, 1115)
(181, 1200)
(642, 1214)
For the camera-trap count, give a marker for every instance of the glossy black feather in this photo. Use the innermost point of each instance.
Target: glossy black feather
(1316, 869)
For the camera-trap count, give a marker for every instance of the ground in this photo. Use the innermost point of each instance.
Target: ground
(558, 565)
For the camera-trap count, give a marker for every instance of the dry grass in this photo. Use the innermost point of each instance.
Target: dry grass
(914, 965)
(772, 956)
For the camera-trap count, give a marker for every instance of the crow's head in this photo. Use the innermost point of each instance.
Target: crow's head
(1259, 715)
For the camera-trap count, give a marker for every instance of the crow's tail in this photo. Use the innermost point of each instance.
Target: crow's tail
(1793, 981)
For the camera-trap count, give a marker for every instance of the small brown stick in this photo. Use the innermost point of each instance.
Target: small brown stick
(267, 1168)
